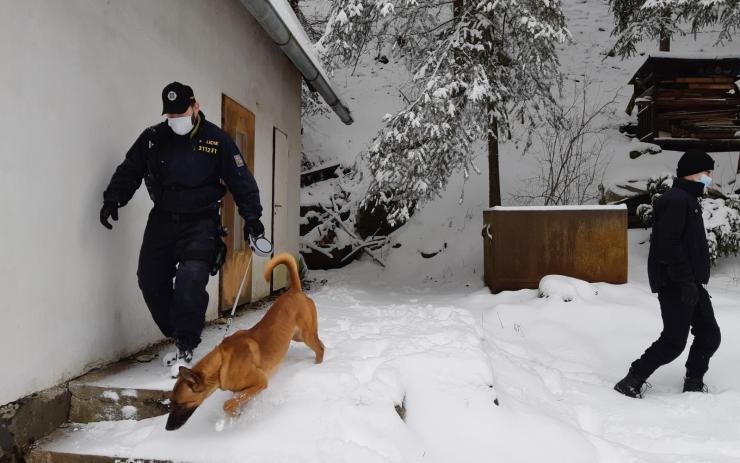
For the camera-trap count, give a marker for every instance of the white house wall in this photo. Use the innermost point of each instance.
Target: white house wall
(79, 80)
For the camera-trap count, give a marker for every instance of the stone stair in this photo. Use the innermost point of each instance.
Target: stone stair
(98, 397)
(128, 390)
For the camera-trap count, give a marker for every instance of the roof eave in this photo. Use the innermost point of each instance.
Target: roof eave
(271, 21)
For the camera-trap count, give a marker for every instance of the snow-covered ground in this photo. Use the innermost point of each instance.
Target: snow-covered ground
(449, 351)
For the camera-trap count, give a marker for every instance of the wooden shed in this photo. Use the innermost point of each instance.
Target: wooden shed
(688, 101)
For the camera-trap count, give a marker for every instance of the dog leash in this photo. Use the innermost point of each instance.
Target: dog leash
(262, 247)
(238, 295)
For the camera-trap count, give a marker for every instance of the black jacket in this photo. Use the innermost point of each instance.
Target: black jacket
(678, 245)
(183, 173)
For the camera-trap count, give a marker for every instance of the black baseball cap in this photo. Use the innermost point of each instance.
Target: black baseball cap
(176, 98)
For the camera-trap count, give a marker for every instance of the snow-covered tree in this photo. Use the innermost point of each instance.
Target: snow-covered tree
(638, 20)
(477, 67)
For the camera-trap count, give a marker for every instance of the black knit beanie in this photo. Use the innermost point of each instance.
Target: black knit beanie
(694, 161)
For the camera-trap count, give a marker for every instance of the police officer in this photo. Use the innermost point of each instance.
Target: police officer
(678, 269)
(183, 162)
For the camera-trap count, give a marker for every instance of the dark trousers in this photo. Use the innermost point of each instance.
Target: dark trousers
(678, 318)
(174, 265)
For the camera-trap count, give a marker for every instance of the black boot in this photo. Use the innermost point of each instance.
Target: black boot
(694, 385)
(632, 386)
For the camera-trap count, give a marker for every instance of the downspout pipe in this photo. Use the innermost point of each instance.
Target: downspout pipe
(279, 32)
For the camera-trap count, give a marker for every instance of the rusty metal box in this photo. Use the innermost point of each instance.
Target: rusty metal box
(523, 244)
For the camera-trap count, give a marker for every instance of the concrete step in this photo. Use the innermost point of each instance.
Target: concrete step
(56, 448)
(127, 390)
(95, 403)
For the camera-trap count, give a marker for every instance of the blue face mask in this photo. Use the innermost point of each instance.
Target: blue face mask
(705, 179)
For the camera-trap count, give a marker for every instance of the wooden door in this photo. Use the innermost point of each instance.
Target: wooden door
(238, 122)
(280, 180)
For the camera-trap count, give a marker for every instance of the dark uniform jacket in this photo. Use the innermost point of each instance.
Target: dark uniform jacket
(183, 173)
(678, 245)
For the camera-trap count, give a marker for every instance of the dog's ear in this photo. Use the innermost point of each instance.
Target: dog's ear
(192, 378)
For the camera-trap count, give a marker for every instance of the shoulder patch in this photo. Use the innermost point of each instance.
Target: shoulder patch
(238, 160)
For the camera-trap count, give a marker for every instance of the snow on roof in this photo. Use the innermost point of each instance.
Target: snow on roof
(694, 55)
(280, 22)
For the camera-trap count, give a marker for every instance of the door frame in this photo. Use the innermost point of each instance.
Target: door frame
(274, 190)
(229, 211)
(272, 211)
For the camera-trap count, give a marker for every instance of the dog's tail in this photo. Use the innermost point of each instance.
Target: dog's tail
(289, 261)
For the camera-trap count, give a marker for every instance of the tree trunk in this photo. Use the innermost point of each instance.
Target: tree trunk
(494, 180)
(665, 43)
(665, 40)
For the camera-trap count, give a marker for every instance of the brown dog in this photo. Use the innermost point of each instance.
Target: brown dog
(244, 361)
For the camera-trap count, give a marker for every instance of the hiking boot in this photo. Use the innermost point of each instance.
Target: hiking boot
(695, 385)
(180, 356)
(632, 386)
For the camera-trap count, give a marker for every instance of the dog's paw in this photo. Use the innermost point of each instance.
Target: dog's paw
(231, 407)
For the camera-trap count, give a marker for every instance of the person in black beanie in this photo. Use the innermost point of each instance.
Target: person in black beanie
(678, 269)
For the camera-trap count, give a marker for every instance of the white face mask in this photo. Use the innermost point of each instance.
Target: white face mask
(181, 125)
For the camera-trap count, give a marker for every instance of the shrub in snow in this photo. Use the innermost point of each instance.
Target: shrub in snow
(566, 288)
(656, 186)
(571, 156)
(329, 237)
(721, 217)
(372, 218)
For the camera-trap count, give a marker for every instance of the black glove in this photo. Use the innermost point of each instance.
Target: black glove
(109, 210)
(253, 227)
(705, 303)
(689, 293)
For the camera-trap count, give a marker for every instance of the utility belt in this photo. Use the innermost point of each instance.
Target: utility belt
(201, 197)
(184, 217)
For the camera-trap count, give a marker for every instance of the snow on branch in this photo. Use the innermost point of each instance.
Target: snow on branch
(639, 20)
(475, 70)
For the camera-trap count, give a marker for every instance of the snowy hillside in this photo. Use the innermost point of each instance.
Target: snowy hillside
(374, 89)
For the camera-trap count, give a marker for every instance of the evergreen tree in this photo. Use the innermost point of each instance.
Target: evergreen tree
(477, 67)
(638, 20)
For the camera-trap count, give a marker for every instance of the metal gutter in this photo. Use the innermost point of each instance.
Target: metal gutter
(272, 22)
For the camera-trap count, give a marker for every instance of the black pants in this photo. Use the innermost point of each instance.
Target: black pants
(678, 318)
(174, 266)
